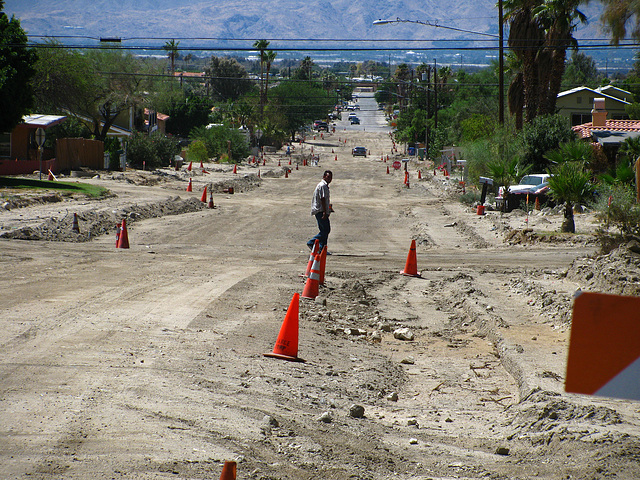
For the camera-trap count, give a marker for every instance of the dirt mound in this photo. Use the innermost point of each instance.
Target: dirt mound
(617, 272)
(99, 222)
(528, 236)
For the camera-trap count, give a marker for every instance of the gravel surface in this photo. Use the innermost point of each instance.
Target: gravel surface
(148, 362)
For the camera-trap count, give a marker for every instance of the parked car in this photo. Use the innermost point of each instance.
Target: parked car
(322, 126)
(359, 152)
(531, 187)
(355, 120)
(529, 181)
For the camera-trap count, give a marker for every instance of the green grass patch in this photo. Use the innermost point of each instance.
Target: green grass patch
(27, 184)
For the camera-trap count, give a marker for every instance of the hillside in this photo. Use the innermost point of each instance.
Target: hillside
(339, 24)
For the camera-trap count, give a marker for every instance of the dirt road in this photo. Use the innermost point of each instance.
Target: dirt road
(148, 363)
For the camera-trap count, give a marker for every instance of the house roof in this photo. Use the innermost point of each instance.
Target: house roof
(615, 92)
(614, 131)
(595, 93)
(37, 120)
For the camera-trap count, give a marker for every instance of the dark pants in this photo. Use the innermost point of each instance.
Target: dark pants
(323, 235)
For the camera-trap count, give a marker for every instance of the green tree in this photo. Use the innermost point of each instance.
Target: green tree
(187, 114)
(16, 71)
(298, 104)
(305, 70)
(227, 79)
(543, 134)
(97, 85)
(581, 70)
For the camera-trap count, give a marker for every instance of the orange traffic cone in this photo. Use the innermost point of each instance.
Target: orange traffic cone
(332, 151)
(211, 205)
(323, 263)
(312, 256)
(203, 198)
(286, 173)
(235, 168)
(51, 178)
(75, 227)
(204, 171)
(411, 267)
(123, 240)
(201, 165)
(419, 174)
(189, 167)
(228, 471)
(289, 161)
(258, 173)
(537, 206)
(311, 287)
(296, 166)
(387, 169)
(189, 187)
(336, 159)
(286, 347)
(278, 162)
(406, 178)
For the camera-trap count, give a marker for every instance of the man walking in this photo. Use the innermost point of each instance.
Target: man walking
(321, 208)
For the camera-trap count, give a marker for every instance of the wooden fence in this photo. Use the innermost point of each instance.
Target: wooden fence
(73, 153)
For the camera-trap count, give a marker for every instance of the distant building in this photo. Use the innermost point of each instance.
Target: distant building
(609, 133)
(576, 104)
(19, 150)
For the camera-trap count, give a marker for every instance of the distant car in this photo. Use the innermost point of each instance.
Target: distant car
(355, 120)
(322, 126)
(350, 107)
(356, 107)
(359, 152)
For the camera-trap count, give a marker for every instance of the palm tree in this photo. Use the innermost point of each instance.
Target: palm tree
(616, 15)
(262, 46)
(270, 56)
(559, 19)
(570, 184)
(526, 37)
(172, 52)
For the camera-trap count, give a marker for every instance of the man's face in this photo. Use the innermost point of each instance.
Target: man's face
(327, 177)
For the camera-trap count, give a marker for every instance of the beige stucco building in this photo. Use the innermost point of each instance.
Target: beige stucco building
(576, 104)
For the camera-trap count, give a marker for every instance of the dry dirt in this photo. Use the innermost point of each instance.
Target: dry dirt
(148, 363)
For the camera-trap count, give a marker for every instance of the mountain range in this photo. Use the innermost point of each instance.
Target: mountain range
(289, 24)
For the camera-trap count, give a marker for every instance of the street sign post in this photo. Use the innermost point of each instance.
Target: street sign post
(40, 136)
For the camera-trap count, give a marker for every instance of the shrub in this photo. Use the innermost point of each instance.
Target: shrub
(220, 140)
(152, 151)
(197, 152)
(621, 211)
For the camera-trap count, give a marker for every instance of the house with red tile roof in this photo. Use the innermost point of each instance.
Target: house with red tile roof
(609, 133)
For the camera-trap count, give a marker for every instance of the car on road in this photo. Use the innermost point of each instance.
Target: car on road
(359, 152)
(355, 120)
(322, 126)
